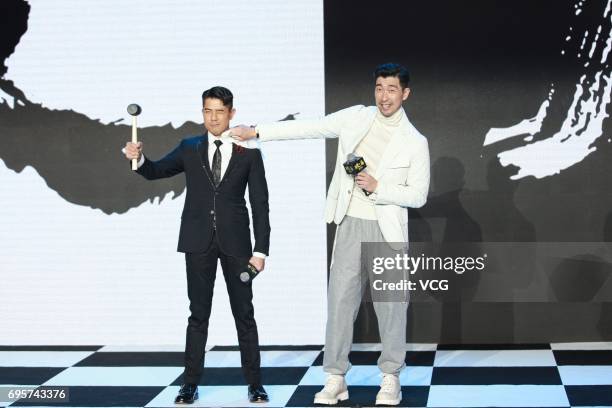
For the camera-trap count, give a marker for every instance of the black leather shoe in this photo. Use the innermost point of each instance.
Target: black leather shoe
(257, 393)
(187, 394)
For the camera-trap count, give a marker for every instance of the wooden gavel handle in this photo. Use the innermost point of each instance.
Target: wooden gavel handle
(134, 140)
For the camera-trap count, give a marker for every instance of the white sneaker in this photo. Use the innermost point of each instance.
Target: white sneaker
(335, 390)
(390, 391)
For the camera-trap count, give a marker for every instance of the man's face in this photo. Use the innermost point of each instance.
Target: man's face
(389, 95)
(217, 116)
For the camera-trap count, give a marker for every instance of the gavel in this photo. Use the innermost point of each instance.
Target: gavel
(134, 110)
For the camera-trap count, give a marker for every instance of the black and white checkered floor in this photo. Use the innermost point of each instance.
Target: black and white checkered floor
(542, 375)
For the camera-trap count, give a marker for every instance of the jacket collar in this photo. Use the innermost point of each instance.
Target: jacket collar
(202, 149)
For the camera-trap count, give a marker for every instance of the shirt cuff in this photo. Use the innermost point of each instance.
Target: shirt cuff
(141, 161)
(251, 144)
(259, 255)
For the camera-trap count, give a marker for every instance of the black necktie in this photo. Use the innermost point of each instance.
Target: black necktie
(216, 164)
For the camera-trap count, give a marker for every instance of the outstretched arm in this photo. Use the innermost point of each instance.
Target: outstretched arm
(326, 127)
(167, 166)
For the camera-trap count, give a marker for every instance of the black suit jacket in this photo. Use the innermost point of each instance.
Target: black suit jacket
(224, 205)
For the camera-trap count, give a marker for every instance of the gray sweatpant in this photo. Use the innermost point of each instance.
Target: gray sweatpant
(346, 287)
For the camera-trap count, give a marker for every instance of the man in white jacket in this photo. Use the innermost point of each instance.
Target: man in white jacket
(397, 177)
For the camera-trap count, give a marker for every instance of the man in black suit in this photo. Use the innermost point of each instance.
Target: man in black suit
(215, 226)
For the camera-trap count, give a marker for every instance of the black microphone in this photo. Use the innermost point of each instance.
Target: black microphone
(354, 165)
(248, 274)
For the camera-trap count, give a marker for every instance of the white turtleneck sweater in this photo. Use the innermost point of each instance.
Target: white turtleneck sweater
(372, 148)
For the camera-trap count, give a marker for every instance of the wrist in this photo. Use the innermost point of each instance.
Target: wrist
(259, 255)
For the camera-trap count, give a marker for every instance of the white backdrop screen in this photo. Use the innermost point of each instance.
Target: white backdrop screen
(75, 271)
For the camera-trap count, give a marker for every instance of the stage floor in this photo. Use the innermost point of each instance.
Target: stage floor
(540, 375)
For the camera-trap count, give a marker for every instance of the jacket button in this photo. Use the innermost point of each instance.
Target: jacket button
(348, 191)
(212, 212)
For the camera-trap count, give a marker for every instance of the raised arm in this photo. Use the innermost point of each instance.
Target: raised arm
(167, 166)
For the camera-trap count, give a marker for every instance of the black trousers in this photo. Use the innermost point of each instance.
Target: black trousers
(201, 271)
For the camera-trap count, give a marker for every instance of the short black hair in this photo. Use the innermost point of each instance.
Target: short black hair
(392, 69)
(219, 92)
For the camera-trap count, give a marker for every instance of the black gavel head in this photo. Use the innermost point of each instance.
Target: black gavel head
(134, 109)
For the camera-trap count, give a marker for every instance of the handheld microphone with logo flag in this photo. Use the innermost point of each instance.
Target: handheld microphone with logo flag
(354, 165)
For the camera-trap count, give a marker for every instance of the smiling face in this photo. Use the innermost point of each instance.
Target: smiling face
(217, 116)
(389, 94)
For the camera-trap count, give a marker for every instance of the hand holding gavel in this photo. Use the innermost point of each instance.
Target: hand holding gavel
(133, 150)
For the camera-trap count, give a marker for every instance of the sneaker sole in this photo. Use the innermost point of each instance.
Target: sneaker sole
(343, 396)
(390, 402)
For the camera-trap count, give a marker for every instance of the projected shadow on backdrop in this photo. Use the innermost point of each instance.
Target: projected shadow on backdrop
(78, 157)
(558, 137)
(516, 97)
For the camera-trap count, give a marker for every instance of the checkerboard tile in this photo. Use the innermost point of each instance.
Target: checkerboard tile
(523, 375)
